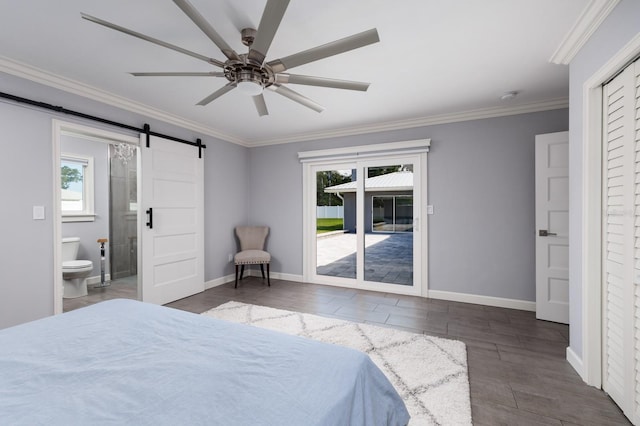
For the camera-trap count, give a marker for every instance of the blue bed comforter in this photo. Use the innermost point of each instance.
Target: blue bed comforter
(127, 362)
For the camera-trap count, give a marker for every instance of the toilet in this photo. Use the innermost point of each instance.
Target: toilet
(74, 272)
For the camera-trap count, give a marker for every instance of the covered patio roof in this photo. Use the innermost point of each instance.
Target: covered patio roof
(397, 181)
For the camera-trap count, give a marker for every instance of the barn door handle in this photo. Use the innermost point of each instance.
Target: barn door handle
(150, 213)
(545, 233)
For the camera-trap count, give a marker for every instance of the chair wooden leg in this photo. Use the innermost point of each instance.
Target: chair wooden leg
(236, 277)
(268, 280)
(241, 272)
(262, 270)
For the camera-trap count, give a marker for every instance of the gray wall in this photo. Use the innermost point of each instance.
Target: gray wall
(480, 182)
(26, 171)
(226, 182)
(26, 245)
(617, 30)
(481, 237)
(89, 232)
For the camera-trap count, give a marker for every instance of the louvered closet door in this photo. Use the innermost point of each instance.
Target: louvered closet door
(636, 247)
(621, 241)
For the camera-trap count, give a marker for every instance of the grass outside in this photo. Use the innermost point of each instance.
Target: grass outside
(328, 225)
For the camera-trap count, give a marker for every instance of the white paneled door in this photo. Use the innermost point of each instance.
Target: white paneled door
(552, 227)
(173, 211)
(621, 241)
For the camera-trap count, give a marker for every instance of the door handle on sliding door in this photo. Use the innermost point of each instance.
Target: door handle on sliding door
(416, 224)
(150, 213)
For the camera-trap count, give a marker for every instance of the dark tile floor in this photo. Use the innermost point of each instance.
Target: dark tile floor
(517, 368)
(123, 288)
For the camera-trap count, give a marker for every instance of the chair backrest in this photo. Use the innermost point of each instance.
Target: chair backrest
(252, 237)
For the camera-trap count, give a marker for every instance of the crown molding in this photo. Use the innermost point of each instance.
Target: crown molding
(22, 70)
(37, 75)
(476, 114)
(588, 22)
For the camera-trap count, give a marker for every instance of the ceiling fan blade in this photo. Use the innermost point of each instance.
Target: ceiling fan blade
(297, 97)
(330, 49)
(215, 95)
(178, 74)
(269, 23)
(151, 40)
(206, 28)
(261, 105)
(321, 81)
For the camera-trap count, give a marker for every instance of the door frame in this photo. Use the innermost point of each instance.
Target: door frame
(386, 152)
(59, 127)
(590, 365)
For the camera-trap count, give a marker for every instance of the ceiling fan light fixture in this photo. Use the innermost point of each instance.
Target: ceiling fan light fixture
(249, 82)
(251, 88)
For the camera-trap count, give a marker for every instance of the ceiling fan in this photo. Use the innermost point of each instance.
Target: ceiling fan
(249, 72)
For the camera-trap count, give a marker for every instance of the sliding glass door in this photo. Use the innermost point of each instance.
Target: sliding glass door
(335, 222)
(389, 222)
(364, 224)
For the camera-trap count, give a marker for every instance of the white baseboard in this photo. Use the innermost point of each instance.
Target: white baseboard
(250, 273)
(523, 305)
(219, 281)
(285, 277)
(500, 302)
(274, 275)
(575, 362)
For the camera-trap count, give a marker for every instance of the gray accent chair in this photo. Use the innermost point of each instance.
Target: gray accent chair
(252, 239)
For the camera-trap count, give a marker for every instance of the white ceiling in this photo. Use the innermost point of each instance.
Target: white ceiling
(435, 57)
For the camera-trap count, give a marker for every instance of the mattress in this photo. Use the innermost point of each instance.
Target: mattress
(128, 362)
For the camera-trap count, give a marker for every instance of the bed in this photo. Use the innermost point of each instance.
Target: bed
(128, 362)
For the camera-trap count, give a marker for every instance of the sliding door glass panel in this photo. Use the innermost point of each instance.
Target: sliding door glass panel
(336, 243)
(388, 232)
(382, 214)
(403, 220)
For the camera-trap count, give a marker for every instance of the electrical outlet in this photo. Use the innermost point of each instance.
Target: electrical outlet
(230, 257)
(429, 209)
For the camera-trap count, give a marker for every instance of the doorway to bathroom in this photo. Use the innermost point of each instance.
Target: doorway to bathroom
(97, 194)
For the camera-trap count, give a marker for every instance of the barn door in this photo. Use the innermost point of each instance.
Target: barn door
(173, 211)
(621, 241)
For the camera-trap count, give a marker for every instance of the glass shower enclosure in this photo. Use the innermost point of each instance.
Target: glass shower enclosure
(123, 227)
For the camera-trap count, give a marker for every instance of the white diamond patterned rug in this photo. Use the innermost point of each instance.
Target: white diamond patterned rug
(429, 373)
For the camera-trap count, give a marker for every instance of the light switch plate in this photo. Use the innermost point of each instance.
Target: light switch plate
(38, 212)
(429, 209)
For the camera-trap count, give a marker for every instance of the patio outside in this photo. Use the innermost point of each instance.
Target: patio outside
(387, 223)
(388, 257)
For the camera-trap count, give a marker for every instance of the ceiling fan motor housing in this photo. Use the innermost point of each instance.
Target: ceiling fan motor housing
(246, 71)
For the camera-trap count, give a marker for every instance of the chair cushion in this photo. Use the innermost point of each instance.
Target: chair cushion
(248, 257)
(252, 237)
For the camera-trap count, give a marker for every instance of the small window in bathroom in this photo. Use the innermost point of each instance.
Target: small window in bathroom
(76, 180)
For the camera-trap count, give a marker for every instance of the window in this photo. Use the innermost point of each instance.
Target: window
(76, 180)
(392, 213)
